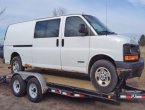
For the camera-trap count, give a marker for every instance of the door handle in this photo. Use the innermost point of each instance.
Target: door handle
(57, 42)
(62, 42)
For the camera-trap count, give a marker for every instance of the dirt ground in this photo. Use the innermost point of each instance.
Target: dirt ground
(57, 102)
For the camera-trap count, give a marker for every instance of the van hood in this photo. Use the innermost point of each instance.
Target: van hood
(130, 40)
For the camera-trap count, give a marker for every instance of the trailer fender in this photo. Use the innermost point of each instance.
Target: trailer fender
(27, 75)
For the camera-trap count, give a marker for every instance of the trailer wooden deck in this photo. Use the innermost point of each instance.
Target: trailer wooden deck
(77, 80)
(84, 84)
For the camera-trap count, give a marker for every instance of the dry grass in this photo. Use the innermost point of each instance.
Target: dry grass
(143, 55)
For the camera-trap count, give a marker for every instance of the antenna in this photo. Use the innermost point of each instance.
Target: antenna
(106, 14)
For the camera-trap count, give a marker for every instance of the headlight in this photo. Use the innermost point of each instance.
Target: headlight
(131, 52)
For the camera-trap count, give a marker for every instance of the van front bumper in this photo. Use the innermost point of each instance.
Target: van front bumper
(130, 69)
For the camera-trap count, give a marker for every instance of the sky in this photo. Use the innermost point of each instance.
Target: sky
(122, 16)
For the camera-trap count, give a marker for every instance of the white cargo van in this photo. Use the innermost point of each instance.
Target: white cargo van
(74, 43)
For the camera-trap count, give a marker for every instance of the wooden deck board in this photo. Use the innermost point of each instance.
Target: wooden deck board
(84, 84)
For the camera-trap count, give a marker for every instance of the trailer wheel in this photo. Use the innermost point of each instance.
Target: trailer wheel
(16, 64)
(18, 86)
(104, 76)
(34, 90)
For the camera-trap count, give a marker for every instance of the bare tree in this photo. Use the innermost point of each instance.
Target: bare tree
(2, 11)
(59, 11)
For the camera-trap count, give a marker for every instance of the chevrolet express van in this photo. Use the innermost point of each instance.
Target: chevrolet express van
(74, 43)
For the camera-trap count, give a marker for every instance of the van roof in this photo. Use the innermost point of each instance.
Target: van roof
(49, 17)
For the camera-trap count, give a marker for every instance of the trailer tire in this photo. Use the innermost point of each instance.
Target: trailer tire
(34, 90)
(16, 64)
(18, 86)
(104, 76)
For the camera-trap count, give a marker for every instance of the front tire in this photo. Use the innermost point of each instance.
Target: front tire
(16, 64)
(104, 76)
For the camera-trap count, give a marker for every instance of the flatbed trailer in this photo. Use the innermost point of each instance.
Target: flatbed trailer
(70, 87)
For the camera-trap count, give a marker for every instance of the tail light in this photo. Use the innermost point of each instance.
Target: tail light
(131, 52)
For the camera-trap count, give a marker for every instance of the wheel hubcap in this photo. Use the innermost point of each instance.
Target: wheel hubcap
(33, 90)
(15, 67)
(103, 76)
(16, 86)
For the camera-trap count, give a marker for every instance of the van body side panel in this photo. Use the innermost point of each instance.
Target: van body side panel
(19, 39)
(110, 46)
(24, 53)
(20, 34)
(7, 54)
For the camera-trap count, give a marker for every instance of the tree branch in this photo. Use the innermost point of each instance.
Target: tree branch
(59, 11)
(2, 11)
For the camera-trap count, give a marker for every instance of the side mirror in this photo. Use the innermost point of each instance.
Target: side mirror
(83, 29)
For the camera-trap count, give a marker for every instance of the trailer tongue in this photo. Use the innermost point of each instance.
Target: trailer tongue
(122, 91)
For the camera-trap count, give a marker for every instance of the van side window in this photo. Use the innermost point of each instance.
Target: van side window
(72, 26)
(46, 29)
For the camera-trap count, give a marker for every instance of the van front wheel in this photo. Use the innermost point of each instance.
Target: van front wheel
(16, 64)
(104, 76)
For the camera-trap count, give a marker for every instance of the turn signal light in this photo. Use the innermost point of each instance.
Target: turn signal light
(131, 58)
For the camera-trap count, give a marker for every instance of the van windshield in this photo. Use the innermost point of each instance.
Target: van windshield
(99, 27)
